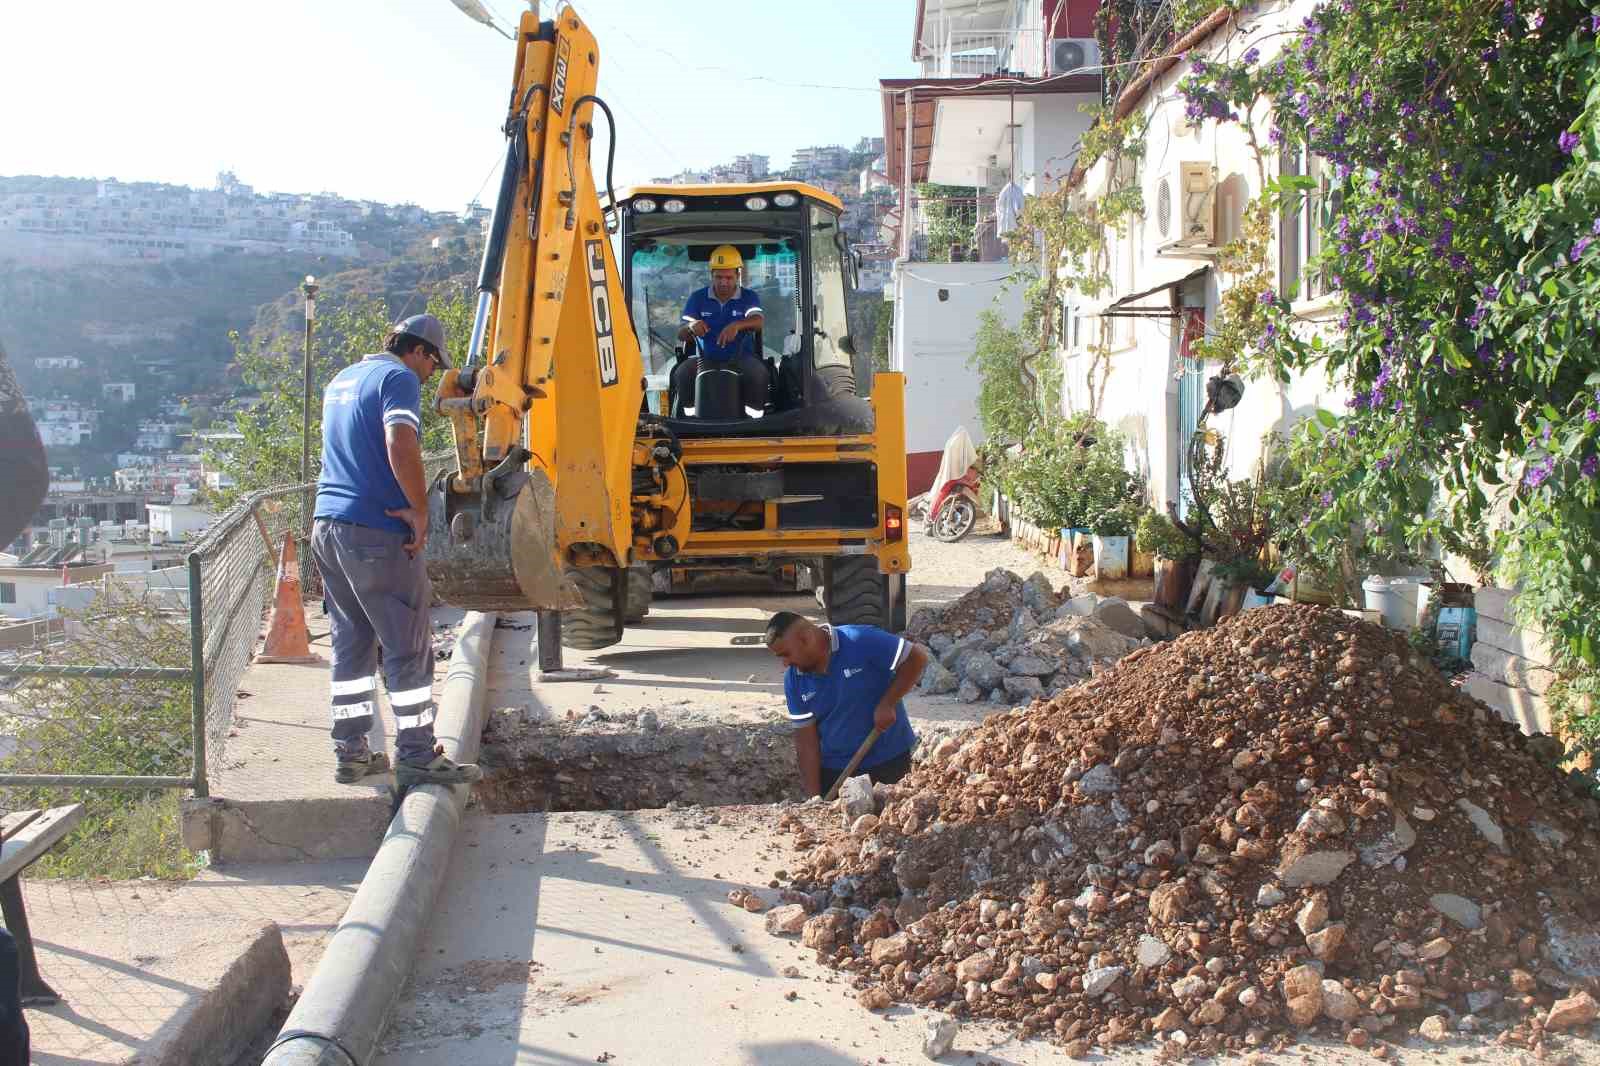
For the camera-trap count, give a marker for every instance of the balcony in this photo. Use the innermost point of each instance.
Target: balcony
(981, 53)
(953, 229)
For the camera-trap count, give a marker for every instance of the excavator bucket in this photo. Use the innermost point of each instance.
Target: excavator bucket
(496, 550)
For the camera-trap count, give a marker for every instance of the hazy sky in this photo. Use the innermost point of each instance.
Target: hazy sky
(402, 100)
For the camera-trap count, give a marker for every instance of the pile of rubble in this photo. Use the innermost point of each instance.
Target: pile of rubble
(1010, 640)
(1287, 822)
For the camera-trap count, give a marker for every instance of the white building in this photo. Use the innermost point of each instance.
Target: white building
(177, 520)
(1164, 285)
(118, 391)
(58, 362)
(984, 111)
(26, 591)
(59, 433)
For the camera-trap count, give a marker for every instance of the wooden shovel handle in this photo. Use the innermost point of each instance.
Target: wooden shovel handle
(855, 761)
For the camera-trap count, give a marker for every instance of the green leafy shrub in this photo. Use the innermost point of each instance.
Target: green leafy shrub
(1160, 535)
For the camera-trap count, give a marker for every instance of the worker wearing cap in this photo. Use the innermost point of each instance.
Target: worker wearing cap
(371, 526)
(843, 682)
(722, 319)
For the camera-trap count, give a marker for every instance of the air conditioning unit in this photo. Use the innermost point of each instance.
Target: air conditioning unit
(1074, 54)
(1186, 201)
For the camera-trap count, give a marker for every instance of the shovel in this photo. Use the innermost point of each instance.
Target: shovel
(855, 761)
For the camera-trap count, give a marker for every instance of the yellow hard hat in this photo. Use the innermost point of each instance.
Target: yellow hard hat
(726, 257)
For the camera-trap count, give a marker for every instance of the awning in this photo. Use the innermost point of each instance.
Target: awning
(1127, 308)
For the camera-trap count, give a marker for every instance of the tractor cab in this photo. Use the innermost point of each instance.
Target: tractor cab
(795, 261)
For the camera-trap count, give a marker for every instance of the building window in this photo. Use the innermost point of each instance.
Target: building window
(8, 592)
(1302, 230)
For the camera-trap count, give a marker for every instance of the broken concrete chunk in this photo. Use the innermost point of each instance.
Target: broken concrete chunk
(1485, 825)
(1152, 951)
(1459, 909)
(1101, 779)
(1303, 863)
(1575, 1010)
(856, 795)
(1100, 978)
(940, 1037)
(1391, 845)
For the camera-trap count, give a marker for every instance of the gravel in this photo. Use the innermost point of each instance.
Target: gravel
(1265, 755)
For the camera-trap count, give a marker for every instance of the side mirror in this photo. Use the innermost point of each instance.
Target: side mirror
(847, 346)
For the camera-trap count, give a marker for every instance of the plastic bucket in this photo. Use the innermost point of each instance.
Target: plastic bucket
(1110, 557)
(1395, 600)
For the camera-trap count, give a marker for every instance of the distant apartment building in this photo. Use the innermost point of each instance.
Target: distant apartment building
(816, 159)
(869, 145)
(118, 391)
(58, 362)
(155, 434)
(65, 434)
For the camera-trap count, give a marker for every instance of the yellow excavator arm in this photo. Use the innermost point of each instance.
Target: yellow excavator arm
(551, 323)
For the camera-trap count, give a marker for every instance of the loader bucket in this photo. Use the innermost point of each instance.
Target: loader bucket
(497, 552)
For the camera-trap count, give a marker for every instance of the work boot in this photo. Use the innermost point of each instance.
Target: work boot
(352, 768)
(438, 771)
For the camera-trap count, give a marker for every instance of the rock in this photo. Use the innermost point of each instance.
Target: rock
(1339, 1003)
(1152, 952)
(975, 967)
(933, 986)
(1435, 1029)
(938, 680)
(1023, 622)
(1078, 607)
(874, 926)
(1077, 1049)
(1326, 942)
(856, 795)
(1390, 846)
(828, 930)
(1482, 1000)
(1169, 902)
(1575, 1010)
(1099, 781)
(1437, 948)
(1269, 895)
(1032, 665)
(1312, 916)
(1574, 946)
(940, 1037)
(1304, 980)
(1191, 987)
(786, 920)
(1168, 1020)
(1037, 594)
(1023, 688)
(876, 999)
(754, 903)
(1100, 978)
(1115, 614)
(1303, 1011)
(891, 950)
(1249, 997)
(1358, 1037)
(647, 722)
(1522, 982)
(1318, 823)
(1301, 863)
(1548, 835)
(864, 825)
(1485, 825)
(939, 643)
(1210, 1013)
(1459, 909)
(1046, 980)
(980, 668)
(969, 692)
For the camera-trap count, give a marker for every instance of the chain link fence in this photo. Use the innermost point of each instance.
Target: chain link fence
(137, 690)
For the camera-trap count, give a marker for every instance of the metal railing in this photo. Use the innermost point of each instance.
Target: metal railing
(955, 229)
(979, 53)
(185, 647)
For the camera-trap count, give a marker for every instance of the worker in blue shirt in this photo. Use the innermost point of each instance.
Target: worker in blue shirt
(371, 526)
(842, 682)
(722, 320)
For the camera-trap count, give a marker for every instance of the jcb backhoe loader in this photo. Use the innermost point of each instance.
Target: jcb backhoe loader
(578, 473)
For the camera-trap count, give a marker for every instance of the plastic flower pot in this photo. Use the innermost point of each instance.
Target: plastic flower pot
(1110, 557)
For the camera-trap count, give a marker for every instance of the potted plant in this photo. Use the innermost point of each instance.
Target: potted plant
(1176, 554)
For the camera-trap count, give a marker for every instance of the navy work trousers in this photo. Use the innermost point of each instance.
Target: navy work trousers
(377, 595)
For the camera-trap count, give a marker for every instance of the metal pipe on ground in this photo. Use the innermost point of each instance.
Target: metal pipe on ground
(342, 1012)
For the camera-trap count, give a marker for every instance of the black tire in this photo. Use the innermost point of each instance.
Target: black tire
(955, 518)
(639, 593)
(897, 603)
(598, 623)
(857, 595)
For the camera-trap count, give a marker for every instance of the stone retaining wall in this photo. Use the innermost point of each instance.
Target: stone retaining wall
(1512, 664)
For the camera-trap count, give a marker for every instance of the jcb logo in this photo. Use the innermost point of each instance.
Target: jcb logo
(600, 301)
(558, 88)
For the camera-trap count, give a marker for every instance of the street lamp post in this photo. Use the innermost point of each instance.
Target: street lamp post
(310, 289)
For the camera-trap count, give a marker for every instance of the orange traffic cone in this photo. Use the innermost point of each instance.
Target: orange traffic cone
(287, 639)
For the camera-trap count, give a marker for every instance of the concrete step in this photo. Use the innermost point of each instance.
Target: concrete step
(1512, 670)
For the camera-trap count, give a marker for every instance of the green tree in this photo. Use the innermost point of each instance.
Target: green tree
(346, 330)
(951, 212)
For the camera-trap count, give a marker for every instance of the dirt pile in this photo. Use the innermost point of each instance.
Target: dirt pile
(1011, 640)
(1285, 822)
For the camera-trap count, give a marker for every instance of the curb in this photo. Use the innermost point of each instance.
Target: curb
(342, 1012)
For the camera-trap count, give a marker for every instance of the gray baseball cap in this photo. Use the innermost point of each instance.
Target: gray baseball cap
(427, 328)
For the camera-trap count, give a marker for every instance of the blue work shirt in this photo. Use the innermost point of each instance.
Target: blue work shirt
(357, 484)
(840, 701)
(704, 307)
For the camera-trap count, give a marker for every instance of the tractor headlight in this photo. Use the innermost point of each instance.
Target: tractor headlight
(756, 203)
(786, 199)
(644, 206)
(672, 207)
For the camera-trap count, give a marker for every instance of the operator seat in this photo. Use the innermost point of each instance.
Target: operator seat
(718, 393)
